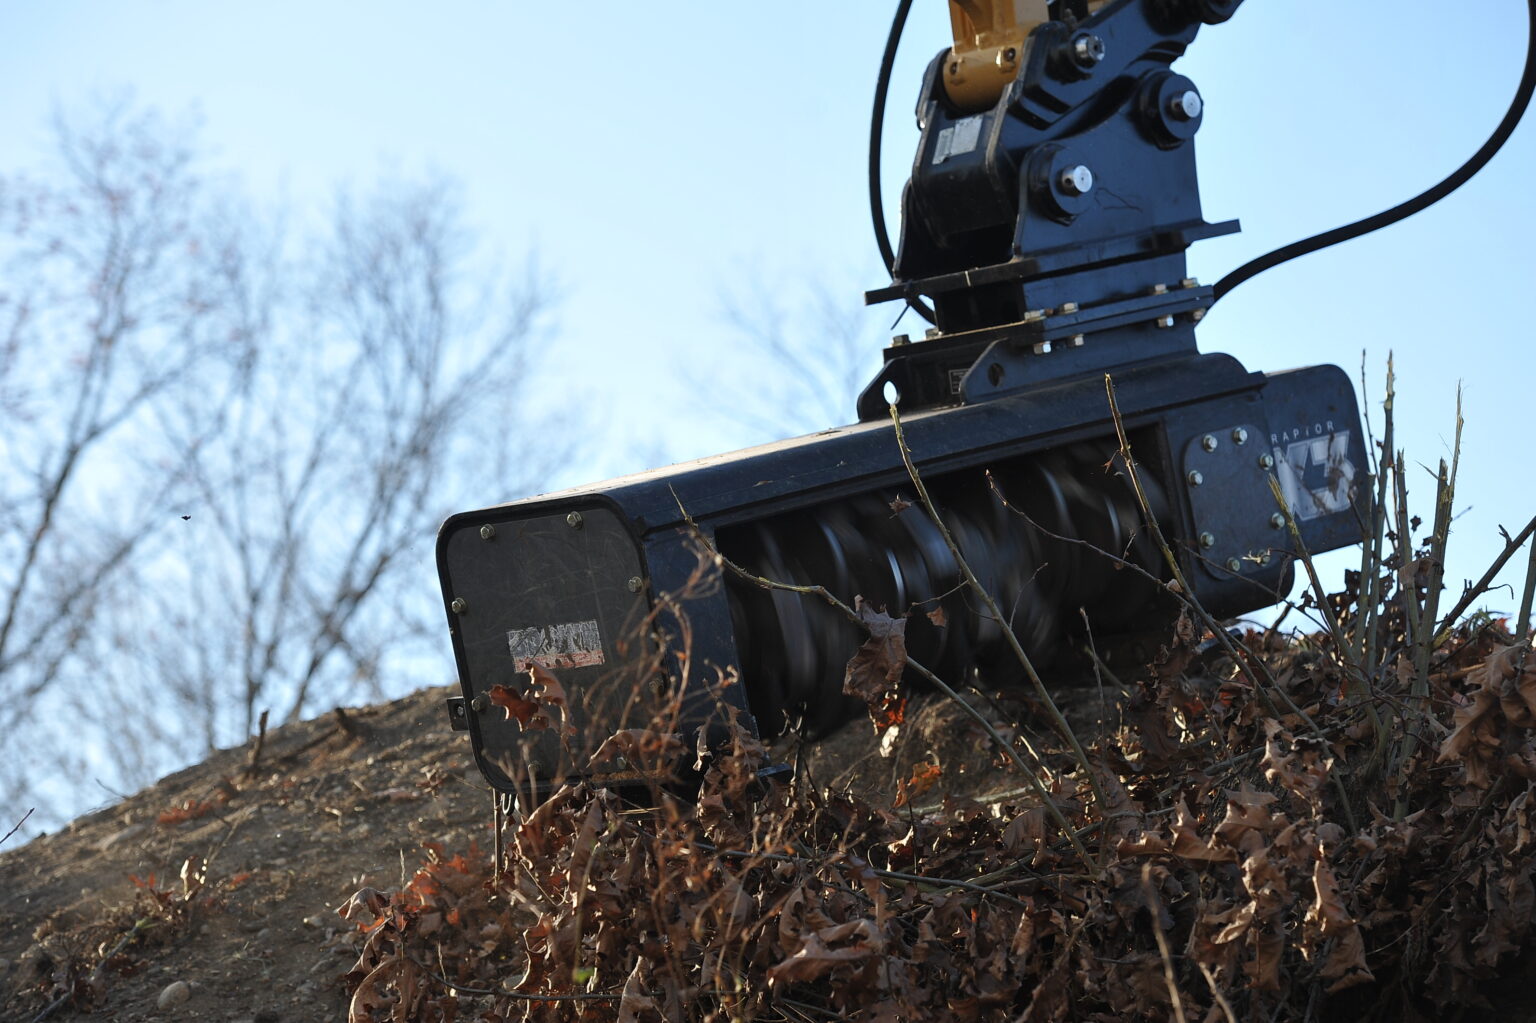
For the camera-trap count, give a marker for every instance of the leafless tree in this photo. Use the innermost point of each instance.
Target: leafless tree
(807, 349)
(102, 315)
(228, 448)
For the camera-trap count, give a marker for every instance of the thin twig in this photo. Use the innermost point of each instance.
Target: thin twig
(579, 996)
(1063, 728)
(889, 875)
(1522, 629)
(1482, 585)
(17, 826)
(1153, 905)
(254, 764)
(1221, 999)
(140, 926)
(1245, 661)
(1041, 792)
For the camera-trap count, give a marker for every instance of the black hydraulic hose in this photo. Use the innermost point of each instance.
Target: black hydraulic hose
(876, 130)
(1422, 201)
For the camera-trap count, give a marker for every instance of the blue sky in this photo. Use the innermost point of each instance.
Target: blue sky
(655, 156)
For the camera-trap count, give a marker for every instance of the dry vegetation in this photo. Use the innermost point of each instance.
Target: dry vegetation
(1325, 826)
(1248, 862)
(1330, 824)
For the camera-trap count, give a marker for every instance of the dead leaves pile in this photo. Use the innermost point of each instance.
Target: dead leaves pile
(1256, 863)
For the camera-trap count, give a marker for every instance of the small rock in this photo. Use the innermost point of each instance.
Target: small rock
(173, 994)
(127, 834)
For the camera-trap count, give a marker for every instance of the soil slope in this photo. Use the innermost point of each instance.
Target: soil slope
(233, 877)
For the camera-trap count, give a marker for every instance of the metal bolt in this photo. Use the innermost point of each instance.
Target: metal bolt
(481, 703)
(487, 531)
(1186, 106)
(1195, 478)
(1277, 521)
(1208, 442)
(1165, 321)
(1043, 348)
(1189, 282)
(1266, 461)
(1087, 50)
(931, 333)
(899, 340)
(635, 582)
(1067, 308)
(1159, 289)
(1196, 315)
(1077, 341)
(458, 606)
(1233, 565)
(1240, 435)
(1207, 540)
(1034, 316)
(1076, 180)
(573, 520)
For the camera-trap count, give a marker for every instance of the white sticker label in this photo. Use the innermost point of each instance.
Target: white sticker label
(960, 137)
(571, 645)
(1316, 476)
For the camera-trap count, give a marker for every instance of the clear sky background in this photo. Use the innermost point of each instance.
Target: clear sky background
(657, 155)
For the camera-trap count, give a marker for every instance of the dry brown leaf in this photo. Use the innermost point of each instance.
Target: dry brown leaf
(924, 777)
(1188, 845)
(549, 694)
(366, 902)
(875, 671)
(639, 745)
(513, 703)
(816, 957)
(633, 1000)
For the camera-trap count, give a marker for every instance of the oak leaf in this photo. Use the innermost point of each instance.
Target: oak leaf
(875, 670)
(513, 703)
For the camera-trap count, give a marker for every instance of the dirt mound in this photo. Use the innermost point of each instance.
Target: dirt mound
(212, 895)
(1253, 832)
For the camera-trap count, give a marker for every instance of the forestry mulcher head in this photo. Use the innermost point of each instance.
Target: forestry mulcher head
(1049, 208)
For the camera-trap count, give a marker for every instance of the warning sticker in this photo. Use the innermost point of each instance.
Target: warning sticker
(571, 645)
(958, 139)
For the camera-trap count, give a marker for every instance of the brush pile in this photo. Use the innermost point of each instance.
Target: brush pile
(1269, 831)
(1336, 823)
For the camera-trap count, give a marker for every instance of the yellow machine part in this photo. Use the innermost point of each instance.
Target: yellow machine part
(990, 41)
